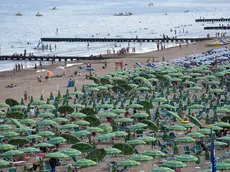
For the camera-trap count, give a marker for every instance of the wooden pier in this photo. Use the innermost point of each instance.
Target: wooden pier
(213, 20)
(124, 39)
(217, 28)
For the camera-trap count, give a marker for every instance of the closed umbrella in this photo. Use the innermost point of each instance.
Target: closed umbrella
(175, 115)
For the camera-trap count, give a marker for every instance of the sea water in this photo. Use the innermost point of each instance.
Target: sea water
(95, 18)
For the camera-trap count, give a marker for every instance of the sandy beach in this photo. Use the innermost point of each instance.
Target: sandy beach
(27, 80)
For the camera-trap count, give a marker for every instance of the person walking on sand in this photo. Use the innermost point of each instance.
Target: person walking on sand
(163, 58)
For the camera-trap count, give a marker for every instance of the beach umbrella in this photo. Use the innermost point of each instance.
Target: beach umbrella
(4, 127)
(189, 83)
(57, 140)
(47, 122)
(227, 161)
(216, 90)
(79, 93)
(46, 133)
(135, 106)
(174, 164)
(4, 105)
(159, 99)
(27, 121)
(196, 135)
(194, 120)
(106, 137)
(94, 129)
(30, 150)
(56, 155)
(143, 89)
(18, 107)
(139, 115)
(112, 151)
(222, 124)
(4, 163)
(124, 120)
(38, 102)
(175, 115)
(71, 152)
(154, 153)
(222, 110)
(93, 89)
(78, 106)
(108, 115)
(77, 115)
(217, 143)
(12, 153)
(81, 133)
(184, 139)
(67, 126)
(102, 88)
(194, 88)
(176, 128)
(120, 134)
(222, 166)
(147, 139)
(210, 77)
(22, 129)
(135, 142)
(84, 163)
(31, 137)
(162, 169)
(40, 145)
(106, 106)
(141, 158)
(186, 158)
(167, 106)
(186, 125)
(60, 120)
(205, 131)
(45, 115)
(196, 106)
(81, 123)
(91, 85)
(128, 163)
(106, 128)
(138, 126)
(118, 111)
(83, 147)
(6, 147)
(109, 86)
(224, 138)
(153, 79)
(9, 134)
(47, 106)
(215, 128)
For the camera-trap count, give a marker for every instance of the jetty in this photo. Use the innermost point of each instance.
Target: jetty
(217, 28)
(213, 20)
(125, 39)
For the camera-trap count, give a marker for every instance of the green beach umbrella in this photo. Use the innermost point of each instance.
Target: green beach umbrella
(174, 164)
(143, 89)
(162, 169)
(128, 163)
(107, 115)
(12, 153)
(141, 158)
(4, 127)
(138, 126)
(4, 105)
(175, 115)
(215, 128)
(159, 99)
(82, 133)
(106, 128)
(194, 120)
(67, 126)
(205, 131)
(216, 91)
(6, 147)
(167, 106)
(118, 111)
(189, 83)
(77, 115)
(57, 140)
(106, 106)
(105, 137)
(112, 151)
(135, 106)
(135, 142)
(224, 138)
(94, 129)
(139, 115)
(83, 147)
(81, 123)
(27, 121)
(71, 152)
(47, 122)
(84, 163)
(222, 124)
(22, 129)
(93, 89)
(196, 106)
(196, 135)
(79, 93)
(120, 134)
(186, 158)
(176, 128)
(46, 133)
(47, 106)
(56, 155)
(31, 137)
(9, 134)
(217, 143)
(78, 106)
(184, 139)
(222, 166)
(124, 120)
(194, 88)
(30, 150)
(147, 139)
(154, 153)
(60, 120)
(38, 102)
(188, 125)
(19, 107)
(222, 110)
(45, 115)
(4, 163)
(40, 145)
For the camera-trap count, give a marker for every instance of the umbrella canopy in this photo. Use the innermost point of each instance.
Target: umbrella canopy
(159, 99)
(205, 131)
(196, 106)
(154, 153)
(40, 145)
(5, 147)
(128, 163)
(57, 140)
(94, 129)
(27, 121)
(47, 106)
(5, 127)
(9, 134)
(108, 115)
(112, 151)
(84, 163)
(147, 139)
(196, 135)
(47, 122)
(174, 164)
(175, 115)
(140, 115)
(82, 133)
(167, 106)
(186, 158)
(135, 142)
(18, 107)
(225, 138)
(222, 110)
(59, 120)
(138, 126)
(71, 152)
(216, 91)
(30, 150)
(188, 125)
(185, 139)
(67, 126)
(45, 115)
(106, 106)
(106, 128)
(79, 93)
(125, 120)
(162, 169)
(56, 155)
(215, 128)
(38, 102)
(12, 153)
(222, 124)
(22, 129)
(4, 163)
(120, 134)
(77, 115)
(31, 137)
(46, 133)
(105, 137)
(135, 106)
(118, 111)
(141, 158)
(216, 143)
(176, 128)
(222, 166)
(4, 105)
(82, 123)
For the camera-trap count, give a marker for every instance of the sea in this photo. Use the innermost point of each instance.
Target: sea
(95, 18)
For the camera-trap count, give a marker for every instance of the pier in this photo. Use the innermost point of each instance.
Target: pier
(213, 20)
(124, 39)
(217, 28)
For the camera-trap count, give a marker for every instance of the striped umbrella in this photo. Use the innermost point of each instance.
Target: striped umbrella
(138, 126)
(174, 164)
(185, 139)
(82, 133)
(46, 133)
(140, 115)
(77, 115)
(105, 137)
(56, 155)
(22, 129)
(27, 121)
(5, 147)
(125, 120)
(84, 163)
(12, 153)
(81, 123)
(112, 151)
(186, 158)
(67, 126)
(120, 134)
(162, 169)
(47, 122)
(141, 158)
(30, 150)
(135, 142)
(154, 153)
(9, 134)
(222, 166)
(94, 129)
(106, 128)
(176, 128)
(31, 137)
(45, 115)
(40, 145)
(205, 131)
(59, 120)
(107, 115)
(147, 139)
(4, 163)
(5, 127)
(128, 163)
(57, 140)
(71, 152)
(196, 135)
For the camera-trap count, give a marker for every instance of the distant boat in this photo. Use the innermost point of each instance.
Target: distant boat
(19, 14)
(124, 14)
(39, 14)
(150, 4)
(186, 11)
(54, 8)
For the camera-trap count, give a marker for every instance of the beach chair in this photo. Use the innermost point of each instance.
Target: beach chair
(12, 170)
(198, 149)
(187, 150)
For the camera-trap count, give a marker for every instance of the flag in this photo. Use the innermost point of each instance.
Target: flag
(212, 153)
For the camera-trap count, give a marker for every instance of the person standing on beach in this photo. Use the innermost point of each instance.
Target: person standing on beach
(25, 96)
(55, 46)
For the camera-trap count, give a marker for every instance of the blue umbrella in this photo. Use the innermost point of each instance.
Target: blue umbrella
(90, 69)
